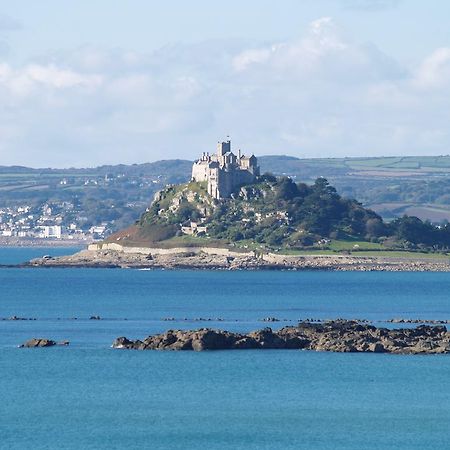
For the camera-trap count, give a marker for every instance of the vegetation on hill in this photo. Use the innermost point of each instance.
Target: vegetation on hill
(277, 213)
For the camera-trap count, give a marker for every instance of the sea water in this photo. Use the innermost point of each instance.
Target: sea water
(88, 395)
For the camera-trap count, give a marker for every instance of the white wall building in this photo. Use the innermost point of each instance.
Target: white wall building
(53, 232)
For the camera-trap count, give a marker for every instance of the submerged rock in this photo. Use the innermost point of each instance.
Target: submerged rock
(334, 336)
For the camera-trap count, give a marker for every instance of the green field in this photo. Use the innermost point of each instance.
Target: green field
(353, 245)
(374, 254)
(386, 163)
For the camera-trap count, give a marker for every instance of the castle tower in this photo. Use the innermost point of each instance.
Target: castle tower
(223, 147)
(225, 172)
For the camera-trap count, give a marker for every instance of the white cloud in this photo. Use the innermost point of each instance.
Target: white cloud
(60, 78)
(254, 56)
(32, 78)
(322, 53)
(320, 94)
(302, 55)
(435, 70)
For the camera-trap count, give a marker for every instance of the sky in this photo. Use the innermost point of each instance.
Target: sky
(91, 82)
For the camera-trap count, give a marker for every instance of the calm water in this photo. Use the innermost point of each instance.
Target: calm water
(88, 395)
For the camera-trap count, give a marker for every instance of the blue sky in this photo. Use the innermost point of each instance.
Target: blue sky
(107, 81)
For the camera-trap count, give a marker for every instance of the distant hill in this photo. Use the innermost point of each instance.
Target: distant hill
(392, 186)
(168, 168)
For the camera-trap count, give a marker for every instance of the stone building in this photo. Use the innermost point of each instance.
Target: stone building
(224, 171)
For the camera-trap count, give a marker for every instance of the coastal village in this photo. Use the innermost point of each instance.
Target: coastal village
(49, 222)
(51, 217)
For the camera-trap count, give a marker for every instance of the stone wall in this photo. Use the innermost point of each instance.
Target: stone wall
(164, 251)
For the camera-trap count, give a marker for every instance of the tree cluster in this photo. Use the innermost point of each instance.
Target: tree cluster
(280, 212)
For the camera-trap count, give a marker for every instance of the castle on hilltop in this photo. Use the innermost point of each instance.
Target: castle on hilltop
(224, 171)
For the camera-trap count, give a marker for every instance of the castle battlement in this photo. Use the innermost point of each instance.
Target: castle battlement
(224, 171)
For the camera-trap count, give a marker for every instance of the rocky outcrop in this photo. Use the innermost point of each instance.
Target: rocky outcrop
(37, 342)
(244, 260)
(333, 336)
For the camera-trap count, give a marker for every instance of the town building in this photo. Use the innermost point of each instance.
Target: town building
(224, 171)
(53, 232)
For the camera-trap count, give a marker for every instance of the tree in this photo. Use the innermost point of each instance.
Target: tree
(286, 189)
(412, 229)
(375, 228)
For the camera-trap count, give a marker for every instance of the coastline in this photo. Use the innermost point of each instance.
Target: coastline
(220, 259)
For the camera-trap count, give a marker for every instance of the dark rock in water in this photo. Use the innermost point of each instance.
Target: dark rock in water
(428, 321)
(122, 342)
(335, 336)
(38, 343)
(95, 318)
(32, 343)
(18, 318)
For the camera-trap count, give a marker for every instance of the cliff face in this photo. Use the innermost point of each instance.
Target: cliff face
(276, 213)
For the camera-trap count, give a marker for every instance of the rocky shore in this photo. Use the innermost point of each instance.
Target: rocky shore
(248, 261)
(332, 336)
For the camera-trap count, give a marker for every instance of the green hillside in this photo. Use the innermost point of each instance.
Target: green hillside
(276, 214)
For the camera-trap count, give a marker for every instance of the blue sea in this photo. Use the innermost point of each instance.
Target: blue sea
(89, 396)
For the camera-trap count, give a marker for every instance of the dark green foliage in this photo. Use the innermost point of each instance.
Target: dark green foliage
(280, 213)
(286, 189)
(416, 232)
(186, 211)
(269, 177)
(283, 213)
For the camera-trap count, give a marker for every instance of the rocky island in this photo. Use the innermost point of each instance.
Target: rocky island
(231, 217)
(332, 336)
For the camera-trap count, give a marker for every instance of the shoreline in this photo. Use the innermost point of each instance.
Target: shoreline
(153, 258)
